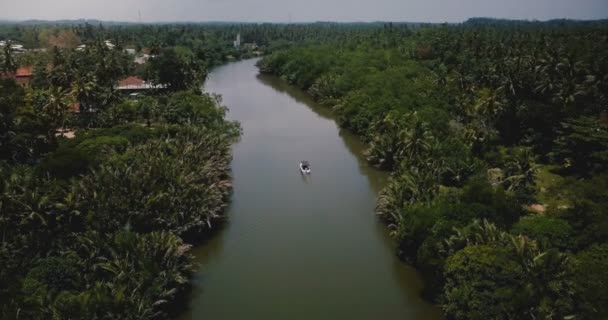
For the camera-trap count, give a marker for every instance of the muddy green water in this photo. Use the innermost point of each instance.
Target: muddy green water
(298, 247)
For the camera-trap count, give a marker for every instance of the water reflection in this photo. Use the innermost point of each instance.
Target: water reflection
(356, 147)
(377, 179)
(298, 95)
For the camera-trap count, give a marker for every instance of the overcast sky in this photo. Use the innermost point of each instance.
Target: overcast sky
(301, 10)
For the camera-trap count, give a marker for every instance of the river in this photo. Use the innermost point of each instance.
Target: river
(298, 247)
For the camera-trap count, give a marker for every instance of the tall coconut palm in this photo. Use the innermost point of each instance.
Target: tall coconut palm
(414, 142)
(58, 104)
(9, 65)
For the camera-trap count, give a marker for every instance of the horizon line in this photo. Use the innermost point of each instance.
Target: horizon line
(287, 22)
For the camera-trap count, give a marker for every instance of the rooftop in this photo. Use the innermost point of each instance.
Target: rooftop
(26, 71)
(136, 83)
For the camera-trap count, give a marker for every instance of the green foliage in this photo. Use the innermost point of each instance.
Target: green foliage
(518, 168)
(134, 133)
(9, 65)
(549, 232)
(490, 203)
(482, 282)
(192, 108)
(449, 106)
(91, 149)
(590, 269)
(125, 112)
(177, 69)
(160, 185)
(582, 145)
(52, 274)
(461, 115)
(11, 96)
(121, 275)
(66, 162)
(588, 214)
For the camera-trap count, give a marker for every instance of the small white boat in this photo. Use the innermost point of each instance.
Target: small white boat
(305, 167)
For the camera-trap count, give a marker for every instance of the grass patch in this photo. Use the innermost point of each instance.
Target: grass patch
(550, 188)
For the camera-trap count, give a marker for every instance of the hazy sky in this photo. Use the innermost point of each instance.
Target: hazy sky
(301, 10)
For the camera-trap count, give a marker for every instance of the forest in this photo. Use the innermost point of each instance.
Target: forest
(103, 195)
(495, 134)
(496, 137)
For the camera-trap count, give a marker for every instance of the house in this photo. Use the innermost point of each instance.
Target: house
(133, 84)
(142, 59)
(250, 46)
(108, 44)
(24, 75)
(15, 47)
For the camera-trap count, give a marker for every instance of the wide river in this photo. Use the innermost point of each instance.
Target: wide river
(298, 247)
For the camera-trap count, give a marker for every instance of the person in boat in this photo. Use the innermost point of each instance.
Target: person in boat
(305, 165)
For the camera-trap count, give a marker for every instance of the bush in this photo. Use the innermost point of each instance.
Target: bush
(591, 281)
(482, 282)
(192, 108)
(55, 274)
(177, 183)
(491, 203)
(65, 162)
(549, 232)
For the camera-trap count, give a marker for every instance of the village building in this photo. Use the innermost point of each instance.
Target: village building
(134, 84)
(23, 75)
(108, 44)
(15, 47)
(142, 59)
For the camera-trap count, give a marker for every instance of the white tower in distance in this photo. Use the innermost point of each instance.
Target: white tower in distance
(237, 42)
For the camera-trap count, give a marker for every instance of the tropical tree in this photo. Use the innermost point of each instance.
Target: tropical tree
(177, 69)
(58, 104)
(9, 65)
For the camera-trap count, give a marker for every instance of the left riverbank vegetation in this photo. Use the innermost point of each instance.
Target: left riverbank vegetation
(496, 134)
(102, 193)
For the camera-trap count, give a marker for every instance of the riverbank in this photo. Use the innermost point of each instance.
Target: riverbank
(114, 210)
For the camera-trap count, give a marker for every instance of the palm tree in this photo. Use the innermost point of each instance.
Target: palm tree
(83, 89)
(414, 142)
(56, 108)
(520, 169)
(9, 65)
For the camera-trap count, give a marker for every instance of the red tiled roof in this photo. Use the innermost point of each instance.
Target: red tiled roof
(131, 81)
(24, 71)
